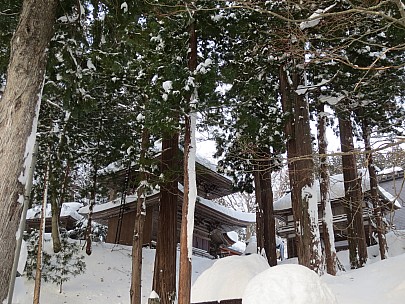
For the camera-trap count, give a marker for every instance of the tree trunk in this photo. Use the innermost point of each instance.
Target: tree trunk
(19, 108)
(137, 240)
(187, 218)
(38, 270)
(328, 236)
(353, 204)
(259, 211)
(307, 204)
(190, 183)
(382, 242)
(91, 207)
(21, 228)
(289, 131)
(55, 209)
(164, 275)
(301, 169)
(269, 225)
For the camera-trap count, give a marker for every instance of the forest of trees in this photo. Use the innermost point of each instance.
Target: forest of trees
(96, 81)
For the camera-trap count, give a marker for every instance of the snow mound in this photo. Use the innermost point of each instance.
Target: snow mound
(227, 278)
(289, 283)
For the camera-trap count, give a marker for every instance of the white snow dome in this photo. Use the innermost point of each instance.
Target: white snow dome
(227, 278)
(290, 283)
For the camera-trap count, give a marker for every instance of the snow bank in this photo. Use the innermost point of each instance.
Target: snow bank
(287, 284)
(227, 278)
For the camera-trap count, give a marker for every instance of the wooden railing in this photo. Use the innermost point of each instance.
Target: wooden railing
(289, 228)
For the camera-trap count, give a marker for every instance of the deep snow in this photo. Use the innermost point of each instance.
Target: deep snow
(107, 278)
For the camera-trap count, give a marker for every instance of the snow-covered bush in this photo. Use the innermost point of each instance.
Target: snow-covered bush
(56, 267)
(99, 231)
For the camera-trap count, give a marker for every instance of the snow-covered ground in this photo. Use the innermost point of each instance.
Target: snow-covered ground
(107, 279)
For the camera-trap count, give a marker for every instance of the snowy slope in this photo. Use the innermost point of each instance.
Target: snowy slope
(107, 278)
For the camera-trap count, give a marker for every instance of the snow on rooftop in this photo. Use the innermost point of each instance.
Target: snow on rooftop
(336, 190)
(67, 209)
(390, 171)
(201, 158)
(233, 235)
(388, 196)
(108, 205)
(238, 215)
(239, 246)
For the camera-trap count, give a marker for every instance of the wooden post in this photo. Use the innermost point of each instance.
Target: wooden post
(153, 301)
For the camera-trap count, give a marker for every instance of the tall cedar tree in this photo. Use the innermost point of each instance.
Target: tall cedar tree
(190, 187)
(19, 109)
(251, 117)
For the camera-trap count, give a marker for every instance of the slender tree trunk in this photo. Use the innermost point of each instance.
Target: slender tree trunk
(21, 229)
(164, 275)
(353, 204)
(89, 229)
(38, 271)
(190, 183)
(269, 225)
(55, 209)
(324, 184)
(307, 195)
(382, 242)
(19, 108)
(187, 219)
(137, 240)
(259, 211)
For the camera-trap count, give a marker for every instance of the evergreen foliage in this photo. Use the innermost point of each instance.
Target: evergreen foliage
(58, 267)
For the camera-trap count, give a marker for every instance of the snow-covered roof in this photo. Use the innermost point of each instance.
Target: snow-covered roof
(108, 205)
(67, 209)
(336, 191)
(390, 170)
(238, 215)
(200, 159)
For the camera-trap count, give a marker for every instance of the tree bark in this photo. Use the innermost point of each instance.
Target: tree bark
(328, 236)
(301, 171)
(382, 242)
(89, 229)
(259, 211)
(38, 270)
(353, 204)
(55, 209)
(19, 108)
(164, 275)
(137, 240)
(269, 225)
(190, 184)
